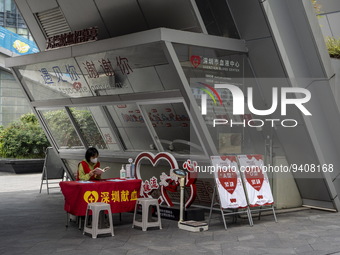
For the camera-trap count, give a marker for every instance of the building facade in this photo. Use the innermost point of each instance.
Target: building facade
(13, 102)
(164, 77)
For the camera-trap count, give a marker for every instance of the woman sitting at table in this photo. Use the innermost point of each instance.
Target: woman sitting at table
(87, 167)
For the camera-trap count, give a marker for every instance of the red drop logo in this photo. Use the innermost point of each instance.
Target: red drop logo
(195, 61)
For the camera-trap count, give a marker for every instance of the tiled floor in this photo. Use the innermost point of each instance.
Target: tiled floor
(33, 223)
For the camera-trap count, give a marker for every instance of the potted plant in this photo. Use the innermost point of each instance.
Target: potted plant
(22, 145)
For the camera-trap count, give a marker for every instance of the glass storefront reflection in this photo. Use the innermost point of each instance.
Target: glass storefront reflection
(131, 127)
(54, 80)
(93, 128)
(171, 123)
(129, 70)
(61, 128)
(205, 67)
(142, 68)
(120, 125)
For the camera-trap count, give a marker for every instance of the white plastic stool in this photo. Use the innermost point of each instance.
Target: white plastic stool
(96, 208)
(144, 224)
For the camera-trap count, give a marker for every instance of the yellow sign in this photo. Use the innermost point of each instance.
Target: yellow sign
(21, 46)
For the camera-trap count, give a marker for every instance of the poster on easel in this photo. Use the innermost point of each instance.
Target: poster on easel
(228, 182)
(255, 180)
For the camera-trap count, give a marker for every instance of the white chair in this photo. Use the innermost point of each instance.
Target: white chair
(96, 208)
(144, 224)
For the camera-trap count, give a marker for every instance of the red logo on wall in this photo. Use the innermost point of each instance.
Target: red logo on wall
(77, 85)
(195, 61)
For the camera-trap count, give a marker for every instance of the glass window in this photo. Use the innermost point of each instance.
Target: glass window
(135, 69)
(8, 76)
(61, 129)
(8, 5)
(171, 123)
(12, 29)
(131, 127)
(94, 128)
(11, 19)
(21, 22)
(54, 80)
(22, 32)
(217, 18)
(2, 6)
(13, 102)
(204, 68)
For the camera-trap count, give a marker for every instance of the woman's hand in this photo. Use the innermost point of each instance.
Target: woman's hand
(91, 173)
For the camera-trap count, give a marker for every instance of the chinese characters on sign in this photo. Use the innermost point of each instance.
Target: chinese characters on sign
(160, 117)
(71, 38)
(230, 65)
(70, 71)
(148, 186)
(107, 197)
(123, 64)
(69, 80)
(65, 78)
(106, 66)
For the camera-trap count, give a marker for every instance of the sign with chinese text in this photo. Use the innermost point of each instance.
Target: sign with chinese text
(255, 180)
(110, 195)
(71, 38)
(230, 64)
(121, 195)
(106, 73)
(228, 181)
(63, 76)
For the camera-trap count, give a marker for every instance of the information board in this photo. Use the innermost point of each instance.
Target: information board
(16, 43)
(255, 180)
(228, 182)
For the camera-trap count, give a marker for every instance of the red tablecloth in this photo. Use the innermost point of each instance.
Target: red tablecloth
(121, 195)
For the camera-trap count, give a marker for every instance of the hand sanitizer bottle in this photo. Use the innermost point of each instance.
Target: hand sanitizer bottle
(122, 173)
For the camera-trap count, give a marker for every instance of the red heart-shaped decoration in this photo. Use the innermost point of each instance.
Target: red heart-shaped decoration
(172, 187)
(254, 177)
(228, 179)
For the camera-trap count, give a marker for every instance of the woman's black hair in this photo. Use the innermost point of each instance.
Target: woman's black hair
(91, 152)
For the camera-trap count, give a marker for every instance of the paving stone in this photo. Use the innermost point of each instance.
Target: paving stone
(33, 223)
(303, 249)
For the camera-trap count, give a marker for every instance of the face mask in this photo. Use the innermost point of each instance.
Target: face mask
(94, 160)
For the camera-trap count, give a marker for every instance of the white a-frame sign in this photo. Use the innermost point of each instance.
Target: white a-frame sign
(229, 187)
(256, 182)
